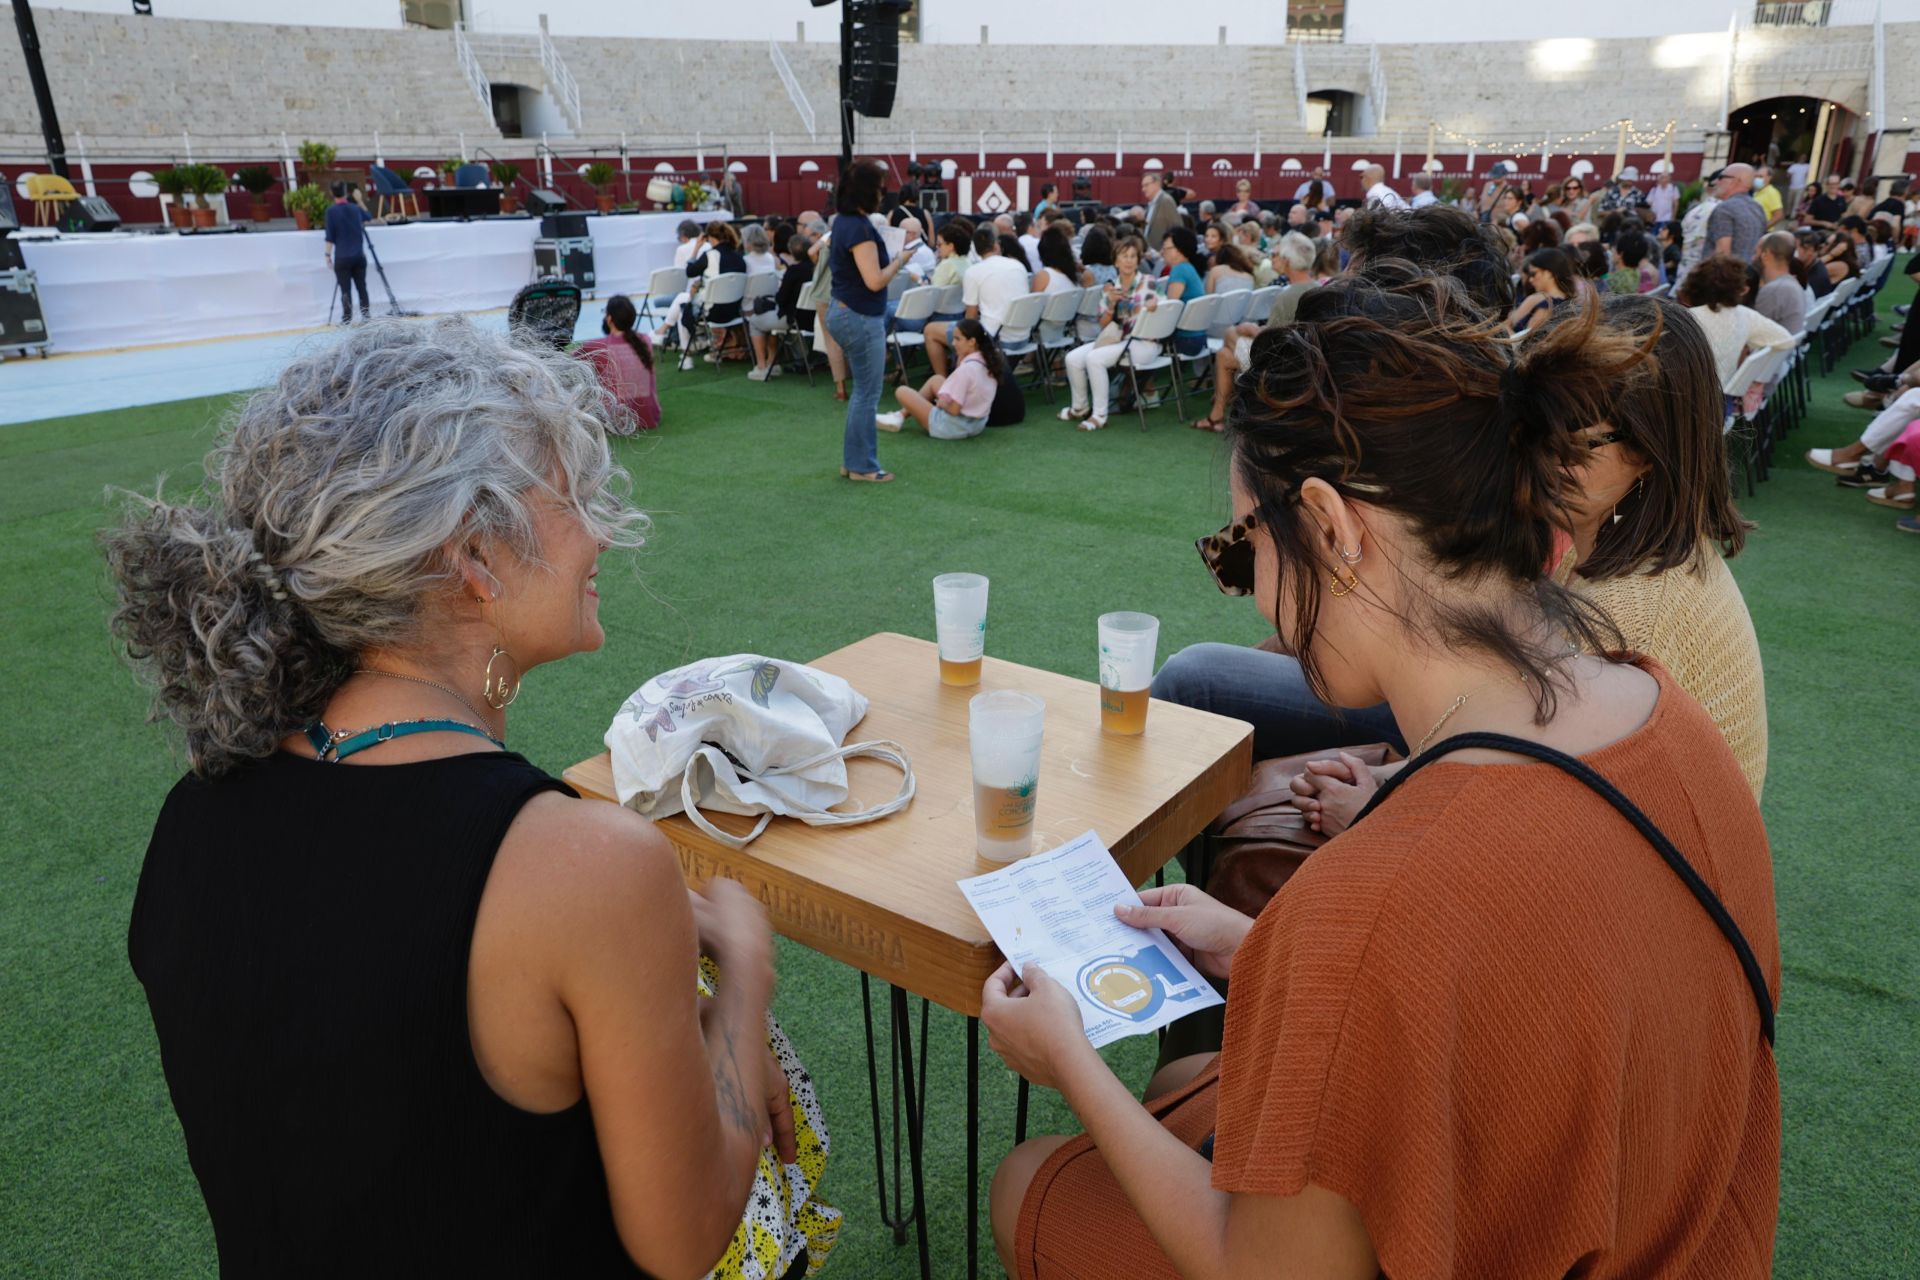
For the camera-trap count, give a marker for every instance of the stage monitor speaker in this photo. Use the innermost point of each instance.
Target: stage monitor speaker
(12, 258)
(873, 71)
(89, 213)
(9, 220)
(563, 226)
(541, 201)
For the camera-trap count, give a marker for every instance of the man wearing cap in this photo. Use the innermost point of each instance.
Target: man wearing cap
(1622, 196)
(1738, 221)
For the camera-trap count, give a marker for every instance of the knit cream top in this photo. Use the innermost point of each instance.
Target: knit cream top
(1694, 622)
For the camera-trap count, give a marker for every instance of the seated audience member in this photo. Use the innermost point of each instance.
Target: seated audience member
(1013, 251)
(1827, 208)
(1667, 236)
(623, 359)
(757, 252)
(1297, 217)
(1184, 284)
(921, 257)
(720, 257)
(1294, 254)
(1059, 269)
(793, 281)
(954, 245)
(1543, 233)
(1326, 260)
(988, 289)
(1247, 238)
(692, 241)
(1712, 292)
(1576, 203)
(1028, 235)
(1809, 250)
(1096, 257)
(956, 407)
(1780, 299)
(1550, 274)
(1404, 1021)
(1243, 201)
(1623, 195)
(1422, 184)
(1441, 240)
(396, 1028)
(1578, 234)
(1635, 255)
(1840, 257)
(1090, 365)
(1869, 462)
(1591, 264)
(1231, 268)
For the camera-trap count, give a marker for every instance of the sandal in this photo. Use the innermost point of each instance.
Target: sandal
(1899, 501)
(868, 477)
(1071, 414)
(1206, 424)
(1093, 424)
(1824, 460)
(839, 392)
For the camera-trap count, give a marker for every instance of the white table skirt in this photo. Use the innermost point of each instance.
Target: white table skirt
(99, 292)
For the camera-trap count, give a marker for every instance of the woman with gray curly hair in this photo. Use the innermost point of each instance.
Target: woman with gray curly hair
(418, 1003)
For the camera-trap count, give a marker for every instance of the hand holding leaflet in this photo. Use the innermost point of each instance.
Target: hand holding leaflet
(1056, 910)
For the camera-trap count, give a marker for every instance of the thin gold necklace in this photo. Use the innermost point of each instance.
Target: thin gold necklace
(435, 684)
(1445, 716)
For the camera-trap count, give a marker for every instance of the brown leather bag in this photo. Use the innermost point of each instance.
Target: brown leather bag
(1260, 840)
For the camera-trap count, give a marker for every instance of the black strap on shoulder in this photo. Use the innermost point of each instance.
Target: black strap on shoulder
(1581, 771)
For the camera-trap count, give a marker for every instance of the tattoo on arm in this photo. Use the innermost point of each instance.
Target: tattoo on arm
(729, 1094)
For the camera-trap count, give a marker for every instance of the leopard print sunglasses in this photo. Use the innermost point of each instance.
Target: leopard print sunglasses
(1228, 556)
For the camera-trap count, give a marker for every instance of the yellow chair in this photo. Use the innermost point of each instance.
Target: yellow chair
(48, 191)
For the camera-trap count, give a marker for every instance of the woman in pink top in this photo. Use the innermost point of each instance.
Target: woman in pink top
(624, 361)
(954, 407)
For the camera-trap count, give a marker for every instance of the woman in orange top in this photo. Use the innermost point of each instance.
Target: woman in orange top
(1490, 1030)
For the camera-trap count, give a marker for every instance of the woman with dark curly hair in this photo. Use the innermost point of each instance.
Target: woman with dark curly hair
(421, 1008)
(1713, 292)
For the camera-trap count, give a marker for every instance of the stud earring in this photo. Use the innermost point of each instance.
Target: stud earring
(1354, 556)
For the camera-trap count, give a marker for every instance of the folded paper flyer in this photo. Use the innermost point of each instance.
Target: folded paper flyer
(1056, 910)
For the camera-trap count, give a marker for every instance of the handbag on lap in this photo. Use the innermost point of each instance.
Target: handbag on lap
(1260, 840)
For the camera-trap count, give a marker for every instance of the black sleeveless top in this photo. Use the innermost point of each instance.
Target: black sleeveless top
(302, 931)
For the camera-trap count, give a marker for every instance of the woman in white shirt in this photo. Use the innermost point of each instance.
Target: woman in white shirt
(1059, 269)
(1712, 292)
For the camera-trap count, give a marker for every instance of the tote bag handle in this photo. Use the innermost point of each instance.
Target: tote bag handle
(707, 757)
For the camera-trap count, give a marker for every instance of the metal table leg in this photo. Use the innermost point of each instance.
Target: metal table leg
(899, 1030)
(1020, 1113)
(973, 1148)
(916, 1118)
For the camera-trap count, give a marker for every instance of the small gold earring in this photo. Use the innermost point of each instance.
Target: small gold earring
(1344, 589)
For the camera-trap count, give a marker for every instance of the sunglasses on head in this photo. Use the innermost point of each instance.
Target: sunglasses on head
(1228, 556)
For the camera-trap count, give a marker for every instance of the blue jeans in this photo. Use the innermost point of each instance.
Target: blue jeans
(863, 339)
(1269, 691)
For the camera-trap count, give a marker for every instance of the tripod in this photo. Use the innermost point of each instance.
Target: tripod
(393, 304)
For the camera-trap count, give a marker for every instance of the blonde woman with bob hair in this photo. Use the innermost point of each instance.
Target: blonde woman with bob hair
(416, 1001)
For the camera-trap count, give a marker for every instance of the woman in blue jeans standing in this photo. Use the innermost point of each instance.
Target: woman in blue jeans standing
(861, 272)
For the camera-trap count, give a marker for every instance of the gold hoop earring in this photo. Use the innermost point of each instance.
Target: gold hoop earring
(1344, 589)
(496, 689)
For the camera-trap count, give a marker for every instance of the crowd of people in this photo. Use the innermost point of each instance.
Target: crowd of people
(1501, 555)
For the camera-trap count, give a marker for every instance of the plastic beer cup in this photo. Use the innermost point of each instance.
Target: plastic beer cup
(1128, 642)
(1004, 731)
(960, 623)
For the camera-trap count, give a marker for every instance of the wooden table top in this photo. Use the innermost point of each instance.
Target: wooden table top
(882, 896)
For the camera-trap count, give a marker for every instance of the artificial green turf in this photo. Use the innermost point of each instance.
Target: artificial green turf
(759, 546)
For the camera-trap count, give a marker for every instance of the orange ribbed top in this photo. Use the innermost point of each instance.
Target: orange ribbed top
(1494, 1020)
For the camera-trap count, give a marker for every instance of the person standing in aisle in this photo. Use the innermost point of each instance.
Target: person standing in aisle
(861, 269)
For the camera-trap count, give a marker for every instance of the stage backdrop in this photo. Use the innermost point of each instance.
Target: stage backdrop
(101, 291)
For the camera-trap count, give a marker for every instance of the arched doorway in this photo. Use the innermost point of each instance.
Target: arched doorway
(1781, 131)
(1334, 111)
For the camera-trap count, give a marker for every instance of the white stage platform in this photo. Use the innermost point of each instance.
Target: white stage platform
(105, 291)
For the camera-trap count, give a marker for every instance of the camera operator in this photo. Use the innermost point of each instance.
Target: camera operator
(347, 248)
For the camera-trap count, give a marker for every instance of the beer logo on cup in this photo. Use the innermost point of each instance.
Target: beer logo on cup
(1135, 986)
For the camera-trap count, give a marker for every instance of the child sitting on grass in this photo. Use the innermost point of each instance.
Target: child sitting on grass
(954, 407)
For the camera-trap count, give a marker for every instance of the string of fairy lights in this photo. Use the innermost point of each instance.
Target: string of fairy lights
(1638, 139)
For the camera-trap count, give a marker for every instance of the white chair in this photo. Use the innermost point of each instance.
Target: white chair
(1057, 325)
(1260, 304)
(1660, 291)
(898, 286)
(723, 290)
(1019, 333)
(1087, 322)
(1156, 326)
(1203, 313)
(909, 319)
(663, 286)
(1759, 366)
(1234, 305)
(1833, 329)
(951, 301)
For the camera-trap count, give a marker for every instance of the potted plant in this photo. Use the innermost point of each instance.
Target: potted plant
(506, 173)
(205, 181)
(599, 176)
(173, 184)
(308, 205)
(317, 158)
(448, 168)
(256, 180)
(697, 193)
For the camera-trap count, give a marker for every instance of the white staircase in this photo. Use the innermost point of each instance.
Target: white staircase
(511, 57)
